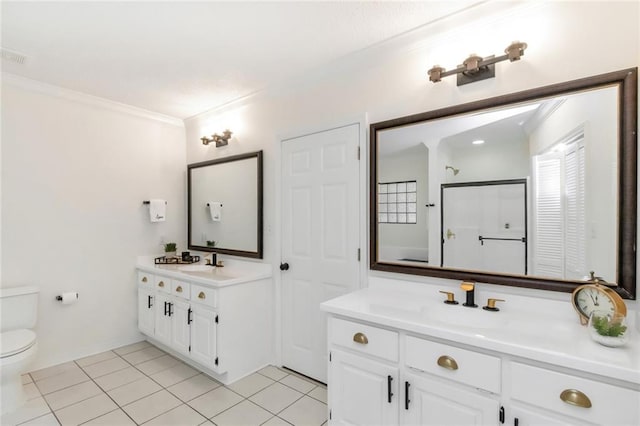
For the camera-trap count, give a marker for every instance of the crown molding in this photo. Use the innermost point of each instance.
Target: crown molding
(83, 98)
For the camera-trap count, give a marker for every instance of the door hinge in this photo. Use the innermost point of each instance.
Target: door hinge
(501, 415)
(216, 361)
(358, 255)
(358, 153)
(329, 356)
(217, 319)
(329, 414)
(189, 348)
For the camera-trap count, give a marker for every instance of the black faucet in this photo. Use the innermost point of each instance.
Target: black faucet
(469, 288)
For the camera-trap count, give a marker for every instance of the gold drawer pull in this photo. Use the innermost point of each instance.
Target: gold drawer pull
(445, 361)
(202, 295)
(144, 279)
(575, 397)
(179, 289)
(360, 338)
(161, 284)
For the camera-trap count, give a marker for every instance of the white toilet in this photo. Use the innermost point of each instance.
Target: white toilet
(19, 311)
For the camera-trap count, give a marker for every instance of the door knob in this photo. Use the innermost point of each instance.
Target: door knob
(284, 266)
(450, 234)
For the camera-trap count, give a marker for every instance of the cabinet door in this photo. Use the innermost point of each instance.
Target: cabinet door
(435, 402)
(524, 417)
(163, 320)
(362, 391)
(203, 335)
(146, 311)
(180, 326)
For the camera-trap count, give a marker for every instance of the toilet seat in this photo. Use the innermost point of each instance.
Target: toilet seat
(16, 341)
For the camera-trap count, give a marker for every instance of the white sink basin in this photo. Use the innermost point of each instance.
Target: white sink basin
(459, 315)
(196, 268)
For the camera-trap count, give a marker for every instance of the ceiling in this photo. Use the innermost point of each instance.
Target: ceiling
(184, 58)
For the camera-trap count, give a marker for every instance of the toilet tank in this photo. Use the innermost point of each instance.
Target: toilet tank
(18, 307)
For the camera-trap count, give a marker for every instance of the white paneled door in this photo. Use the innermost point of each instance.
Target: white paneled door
(320, 239)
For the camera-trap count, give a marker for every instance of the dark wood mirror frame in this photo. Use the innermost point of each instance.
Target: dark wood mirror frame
(243, 253)
(627, 81)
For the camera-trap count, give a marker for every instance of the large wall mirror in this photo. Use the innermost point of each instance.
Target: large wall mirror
(225, 205)
(533, 189)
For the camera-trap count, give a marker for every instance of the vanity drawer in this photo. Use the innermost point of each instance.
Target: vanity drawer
(544, 388)
(461, 365)
(163, 284)
(146, 279)
(181, 289)
(364, 338)
(205, 295)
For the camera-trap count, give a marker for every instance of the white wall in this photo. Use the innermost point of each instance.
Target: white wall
(74, 175)
(390, 80)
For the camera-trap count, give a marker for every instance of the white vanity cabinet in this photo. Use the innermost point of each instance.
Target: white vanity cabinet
(390, 365)
(225, 331)
(370, 382)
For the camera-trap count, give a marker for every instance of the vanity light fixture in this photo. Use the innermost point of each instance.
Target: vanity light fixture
(220, 140)
(476, 68)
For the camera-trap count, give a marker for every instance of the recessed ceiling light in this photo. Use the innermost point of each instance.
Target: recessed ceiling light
(478, 142)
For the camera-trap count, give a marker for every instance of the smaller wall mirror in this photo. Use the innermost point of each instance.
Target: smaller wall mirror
(225, 205)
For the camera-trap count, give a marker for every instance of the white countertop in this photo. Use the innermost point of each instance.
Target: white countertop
(522, 328)
(234, 271)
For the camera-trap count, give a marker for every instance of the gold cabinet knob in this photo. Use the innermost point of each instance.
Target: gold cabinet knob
(451, 299)
(179, 289)
(575, 397)
(491, 305)
(144, 279)
(202, 295)
(360, 338)
(445, 361)
(161, 284)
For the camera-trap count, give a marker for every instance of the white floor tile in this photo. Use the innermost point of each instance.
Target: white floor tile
(182, 415)
(26, 379)
(193, 387)
(132, 347)
(31, 391)
(306, 411)
(152, 406)
(143, 355)
(114, 418)
(276, 397)
(61, 381)
(156, 365)
(119, 378)
(53, 371)
(273, 372)
(46, 420)
(319, 393)
(83, 362)
(134, 391)
(298, 384)
(34, 408)
(85, 410)
(250, 384)
(215, 401)
(103, 368)
(276, 421)
(72, 395)
(244, 414)
(175, 374)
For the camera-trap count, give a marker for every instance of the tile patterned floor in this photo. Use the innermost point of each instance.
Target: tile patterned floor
(140, 384)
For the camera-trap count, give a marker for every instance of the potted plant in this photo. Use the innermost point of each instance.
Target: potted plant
(170, 249)
(608, 329)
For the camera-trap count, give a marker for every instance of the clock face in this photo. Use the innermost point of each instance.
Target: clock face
(590, 299)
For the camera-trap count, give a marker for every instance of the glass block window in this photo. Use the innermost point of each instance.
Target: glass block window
(397, 202)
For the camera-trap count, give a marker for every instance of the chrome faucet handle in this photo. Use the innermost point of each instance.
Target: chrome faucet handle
(491, 305)
(451, 298)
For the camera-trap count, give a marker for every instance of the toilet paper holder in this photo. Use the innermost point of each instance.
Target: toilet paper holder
(59, 297)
